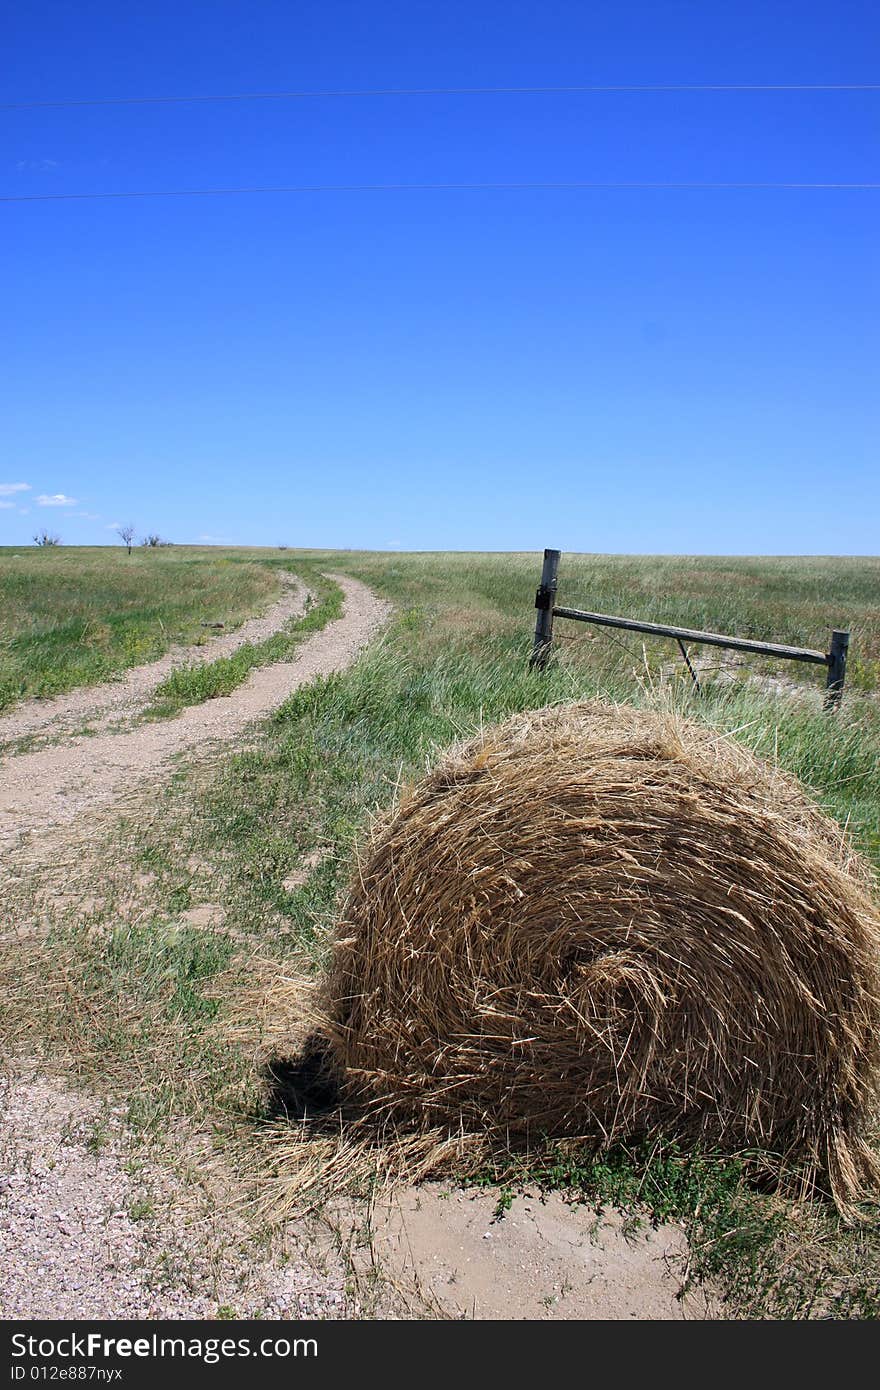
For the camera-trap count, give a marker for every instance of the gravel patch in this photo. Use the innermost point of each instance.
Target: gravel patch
(89, 1231)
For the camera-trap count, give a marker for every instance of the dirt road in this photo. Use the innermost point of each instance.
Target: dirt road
(96, 706)
(78, 1235)
(53, 786)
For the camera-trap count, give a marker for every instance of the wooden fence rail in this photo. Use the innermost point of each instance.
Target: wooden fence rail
(545, 602)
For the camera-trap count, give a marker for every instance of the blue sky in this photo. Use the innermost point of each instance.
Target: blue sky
(603, 370)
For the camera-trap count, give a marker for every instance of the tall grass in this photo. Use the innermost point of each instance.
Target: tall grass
(455, 658)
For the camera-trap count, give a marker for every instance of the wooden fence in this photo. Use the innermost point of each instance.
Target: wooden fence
(545, 602)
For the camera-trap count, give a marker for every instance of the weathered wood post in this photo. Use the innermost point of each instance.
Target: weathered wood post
(544, 601)
(836, 669)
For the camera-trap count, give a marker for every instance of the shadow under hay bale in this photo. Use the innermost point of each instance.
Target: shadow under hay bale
(602, 923)
(304, 1087)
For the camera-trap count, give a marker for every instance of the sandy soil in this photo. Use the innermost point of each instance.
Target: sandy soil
(543, 1259)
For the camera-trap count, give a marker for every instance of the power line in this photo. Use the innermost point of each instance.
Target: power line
(491, 187)
(609, 88)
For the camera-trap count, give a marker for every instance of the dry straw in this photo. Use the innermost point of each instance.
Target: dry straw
(595, 922)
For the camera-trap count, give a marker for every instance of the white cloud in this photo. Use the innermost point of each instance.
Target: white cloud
(7, 489)
(57, 499)
(7, 504)
(114, 526)
(88, 516)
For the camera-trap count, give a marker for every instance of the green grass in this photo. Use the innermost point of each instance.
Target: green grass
(787, 599)
(454, 658)
(72, 617)
(457, 657)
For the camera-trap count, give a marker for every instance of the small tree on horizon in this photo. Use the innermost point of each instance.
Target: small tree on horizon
(127, 534)
(46, 538)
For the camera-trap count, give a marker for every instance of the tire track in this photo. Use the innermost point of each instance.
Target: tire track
(55, 786)
(131, 692)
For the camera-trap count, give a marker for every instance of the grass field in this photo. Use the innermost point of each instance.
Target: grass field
(154, 1006)
(72, 616)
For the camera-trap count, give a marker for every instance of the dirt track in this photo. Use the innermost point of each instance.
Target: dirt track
(76, 1237)
(55, 785)
(114, 699)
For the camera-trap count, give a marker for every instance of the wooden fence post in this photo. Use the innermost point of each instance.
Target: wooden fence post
(544, 601)
(836, 669)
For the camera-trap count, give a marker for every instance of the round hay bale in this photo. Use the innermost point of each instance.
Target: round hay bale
(598, 922)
